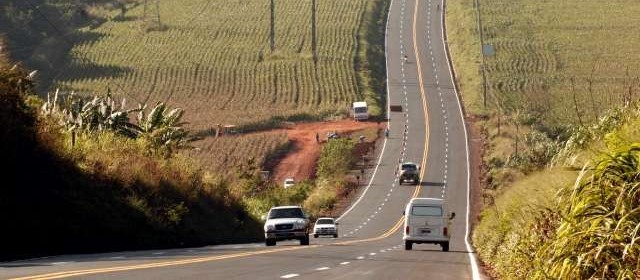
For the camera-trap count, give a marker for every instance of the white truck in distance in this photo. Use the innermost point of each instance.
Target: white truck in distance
(325, 226)
(426, 222)
(360, 111)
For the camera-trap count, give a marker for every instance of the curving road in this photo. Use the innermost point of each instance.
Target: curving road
(430, 130)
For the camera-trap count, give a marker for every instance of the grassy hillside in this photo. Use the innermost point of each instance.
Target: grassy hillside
(561, 223)
(212, 58)
(542, 49)
(557, 66)
(105, 193)
(558, 69)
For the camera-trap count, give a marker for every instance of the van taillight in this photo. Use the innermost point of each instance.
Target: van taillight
(406, 230)
(445, 231)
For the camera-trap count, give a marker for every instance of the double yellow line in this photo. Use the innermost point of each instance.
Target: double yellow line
(389, 232)
(63, 274)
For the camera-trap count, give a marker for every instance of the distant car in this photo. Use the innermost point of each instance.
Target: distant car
(426, 221)
(409, 171)
(289, 182)
(285, 223)
(325, 226)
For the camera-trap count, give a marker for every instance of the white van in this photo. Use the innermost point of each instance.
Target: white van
(360, 111)
(426, 221)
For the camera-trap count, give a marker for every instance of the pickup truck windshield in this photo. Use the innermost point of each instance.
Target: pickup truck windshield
(324, 221)
(408, 167)
(286, 213)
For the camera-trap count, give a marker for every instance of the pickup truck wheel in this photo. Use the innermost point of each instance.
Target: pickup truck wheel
(408, 245)
(270, 242)
(445, 246)
(335, 236)
(304, 241)
(315, 236)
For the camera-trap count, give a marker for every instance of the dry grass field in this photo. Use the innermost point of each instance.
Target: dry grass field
(547, 53)
(214, 59)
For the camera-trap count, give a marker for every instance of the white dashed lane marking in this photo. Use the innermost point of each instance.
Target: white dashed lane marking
(289, 276)
(322, 268)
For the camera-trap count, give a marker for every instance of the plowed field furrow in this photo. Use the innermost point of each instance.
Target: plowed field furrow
(214, 60)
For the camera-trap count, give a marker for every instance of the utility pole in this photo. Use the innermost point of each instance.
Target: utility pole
(314, 42)
(158, 15)
(272, 34)
(146, 10)
(482, 60)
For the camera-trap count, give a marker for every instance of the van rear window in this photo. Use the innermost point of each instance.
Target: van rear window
(426, 211)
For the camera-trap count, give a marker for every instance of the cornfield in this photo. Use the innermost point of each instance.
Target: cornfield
(566, 61)
(213, 59)
(221, 154)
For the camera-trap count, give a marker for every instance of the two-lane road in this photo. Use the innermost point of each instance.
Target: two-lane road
(429, 131)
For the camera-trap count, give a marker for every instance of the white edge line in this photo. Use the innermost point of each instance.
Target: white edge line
(475, 271)
(384, 144)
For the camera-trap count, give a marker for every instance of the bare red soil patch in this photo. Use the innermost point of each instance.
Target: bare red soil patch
(300, 162)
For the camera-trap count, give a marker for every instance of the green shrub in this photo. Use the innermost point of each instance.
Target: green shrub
(335, 158)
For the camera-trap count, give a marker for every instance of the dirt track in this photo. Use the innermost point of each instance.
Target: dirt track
(300, 162)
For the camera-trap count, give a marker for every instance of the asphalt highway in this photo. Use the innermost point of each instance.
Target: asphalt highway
(429, 131)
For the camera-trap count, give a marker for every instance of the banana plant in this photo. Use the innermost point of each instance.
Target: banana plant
(98, 114)
(163, 127)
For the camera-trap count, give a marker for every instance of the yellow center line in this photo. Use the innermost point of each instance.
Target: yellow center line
(57, 275)
(386, 234)
(423, 98)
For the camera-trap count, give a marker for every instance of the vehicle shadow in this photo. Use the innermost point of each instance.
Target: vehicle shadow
(440, 250)
(17, 265)
(431, 184)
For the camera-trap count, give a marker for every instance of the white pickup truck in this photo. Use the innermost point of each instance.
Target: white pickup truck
(285, 223)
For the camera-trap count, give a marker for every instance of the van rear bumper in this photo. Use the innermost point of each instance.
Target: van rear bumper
(424, 239)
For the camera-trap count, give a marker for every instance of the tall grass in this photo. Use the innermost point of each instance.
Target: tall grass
(600, 228)
(571, 228)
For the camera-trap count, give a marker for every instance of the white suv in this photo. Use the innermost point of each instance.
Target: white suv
(325, 226)
(284, 223)
(426, 222)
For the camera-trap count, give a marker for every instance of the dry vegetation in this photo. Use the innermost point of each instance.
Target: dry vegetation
(558, 70)
(214, 59)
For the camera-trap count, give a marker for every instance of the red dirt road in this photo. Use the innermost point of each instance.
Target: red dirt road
(300, 162)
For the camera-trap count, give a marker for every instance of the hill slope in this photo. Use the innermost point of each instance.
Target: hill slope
(105, 193)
